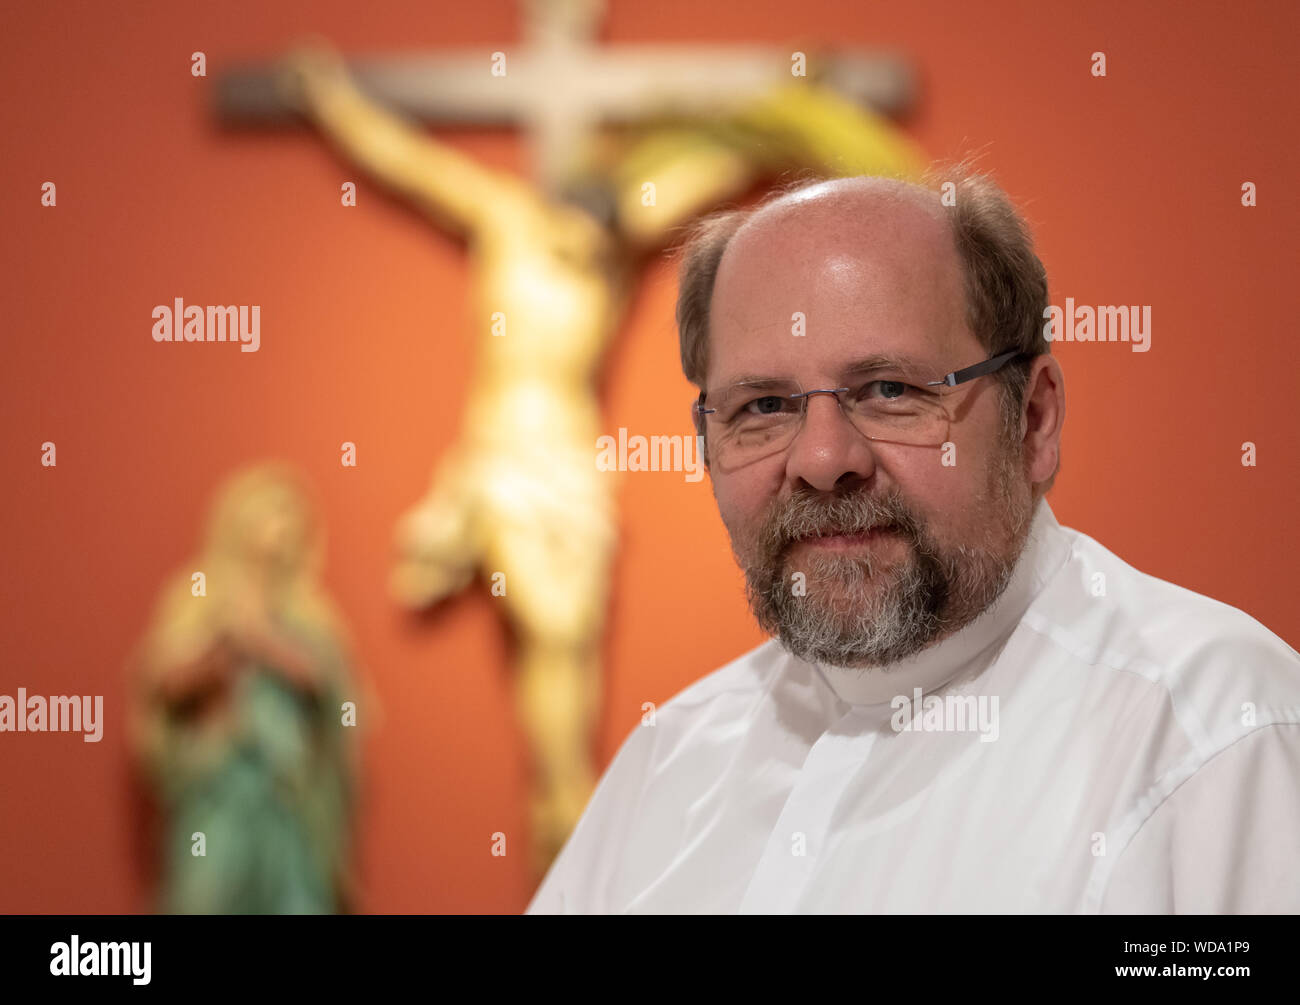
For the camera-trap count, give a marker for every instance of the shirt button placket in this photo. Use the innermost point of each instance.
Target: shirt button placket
(799, 837)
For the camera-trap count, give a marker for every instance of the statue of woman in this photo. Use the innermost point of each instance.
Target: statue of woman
(240, 721)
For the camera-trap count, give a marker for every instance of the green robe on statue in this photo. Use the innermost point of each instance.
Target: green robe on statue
(271, 795)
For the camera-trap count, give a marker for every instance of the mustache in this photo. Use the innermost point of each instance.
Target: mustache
(809, 513)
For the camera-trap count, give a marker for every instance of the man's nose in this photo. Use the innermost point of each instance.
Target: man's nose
(828, 446)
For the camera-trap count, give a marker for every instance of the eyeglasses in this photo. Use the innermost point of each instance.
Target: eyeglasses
(751, 420)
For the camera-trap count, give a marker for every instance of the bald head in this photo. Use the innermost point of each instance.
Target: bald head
(869, 217)
(835, 197)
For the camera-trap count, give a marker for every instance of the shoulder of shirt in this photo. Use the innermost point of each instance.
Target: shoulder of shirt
(747, 677)
(1207, 659)
(1201, 651)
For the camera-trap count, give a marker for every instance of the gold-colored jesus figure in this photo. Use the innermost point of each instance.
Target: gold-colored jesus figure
(520, 494)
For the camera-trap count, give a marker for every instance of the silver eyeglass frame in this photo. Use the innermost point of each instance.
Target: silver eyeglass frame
(990, 365)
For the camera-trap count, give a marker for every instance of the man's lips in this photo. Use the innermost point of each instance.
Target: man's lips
(836, 541)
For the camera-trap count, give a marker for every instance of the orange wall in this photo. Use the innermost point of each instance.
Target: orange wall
(1132, 184)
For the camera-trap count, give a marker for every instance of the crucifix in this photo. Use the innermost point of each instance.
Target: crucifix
(628, 145)
(559, 87)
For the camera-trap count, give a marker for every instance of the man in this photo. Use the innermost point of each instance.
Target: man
(967, 707)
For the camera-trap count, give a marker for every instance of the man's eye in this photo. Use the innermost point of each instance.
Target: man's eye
(889, 390)
(769, 404)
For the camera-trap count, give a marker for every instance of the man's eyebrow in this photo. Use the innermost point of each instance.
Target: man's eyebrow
(759, 382)
(866, 364)
(880, 361)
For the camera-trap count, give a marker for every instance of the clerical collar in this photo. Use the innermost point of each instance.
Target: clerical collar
(1045, 551)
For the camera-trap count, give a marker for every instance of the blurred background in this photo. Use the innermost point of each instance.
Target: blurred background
(1132, 183)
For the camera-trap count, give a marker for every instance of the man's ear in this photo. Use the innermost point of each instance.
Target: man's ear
(1043, 417)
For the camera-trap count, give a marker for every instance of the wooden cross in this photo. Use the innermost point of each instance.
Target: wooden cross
(559, 86)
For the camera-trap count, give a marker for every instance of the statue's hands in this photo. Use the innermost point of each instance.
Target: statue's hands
(250, 631)
(244, 619)
(310, 74)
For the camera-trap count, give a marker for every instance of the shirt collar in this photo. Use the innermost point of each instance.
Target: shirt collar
(1045, 551)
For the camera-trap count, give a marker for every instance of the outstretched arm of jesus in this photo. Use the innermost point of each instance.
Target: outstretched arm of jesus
(699, 163)
(451, 187)
(814, 126)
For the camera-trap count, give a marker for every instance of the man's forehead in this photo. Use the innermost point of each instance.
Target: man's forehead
(797, 293)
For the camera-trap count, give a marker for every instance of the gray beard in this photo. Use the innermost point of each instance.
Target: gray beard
(855, 612)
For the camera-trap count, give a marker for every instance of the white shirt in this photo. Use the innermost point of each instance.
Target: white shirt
(1144, 757)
